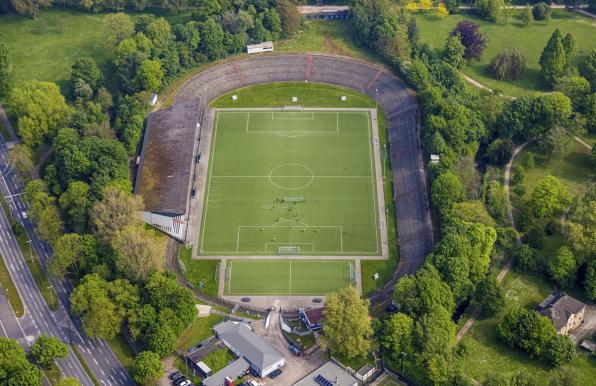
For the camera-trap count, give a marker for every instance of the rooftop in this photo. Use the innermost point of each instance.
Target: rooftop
(233, 370)
(559, 307)
(164, 175)
(332, 373)
(314, 315)
(240, 336)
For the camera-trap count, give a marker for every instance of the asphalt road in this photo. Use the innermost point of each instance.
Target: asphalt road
(38, 318)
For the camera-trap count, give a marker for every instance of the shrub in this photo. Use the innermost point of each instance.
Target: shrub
(535, 237)
(471, 38)
(541, 11)
(507, 64)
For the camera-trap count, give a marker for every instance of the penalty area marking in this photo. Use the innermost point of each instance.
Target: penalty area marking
(340, 227)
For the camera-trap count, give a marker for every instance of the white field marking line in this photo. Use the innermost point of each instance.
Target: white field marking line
(287, 243)
(247, 120)
(311, 176)
(273, 118)
(337, 122)
(208, 186)
(373, 182)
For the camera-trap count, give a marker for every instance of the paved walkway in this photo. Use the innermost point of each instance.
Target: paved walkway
(507, 267)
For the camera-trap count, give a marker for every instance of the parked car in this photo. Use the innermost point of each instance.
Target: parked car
(254, 373)
(317, 300)
(246, 300)
(178, 381)
(275, 373)
(176, 375)
(295, 350)
(24, 214)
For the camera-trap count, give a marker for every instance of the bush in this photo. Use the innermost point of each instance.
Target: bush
(507, 64)
(490, 296)
(527, 259)
(535, 237)
(541, 11)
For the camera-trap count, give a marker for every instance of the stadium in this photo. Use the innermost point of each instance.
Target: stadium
(275, 192)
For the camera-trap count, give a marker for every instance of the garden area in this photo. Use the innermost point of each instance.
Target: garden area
(198, 331)
(529, 41)
(487, 352)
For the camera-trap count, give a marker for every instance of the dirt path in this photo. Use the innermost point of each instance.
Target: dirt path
(476, 312)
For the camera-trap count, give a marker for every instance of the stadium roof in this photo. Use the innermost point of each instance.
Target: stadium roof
(240, 336)
(164, 175)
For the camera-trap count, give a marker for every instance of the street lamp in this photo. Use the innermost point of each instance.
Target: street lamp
(403, 362)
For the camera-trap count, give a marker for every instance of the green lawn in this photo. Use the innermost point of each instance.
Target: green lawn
(284, 180)
(574, 169)
(355, 363)
(334, 37)
(9, 290)
(218, 359)
(304, 341)
(198, 331)
(287, 277)
(280, 94)
(200, 271)
(530, 41)
(487, 353)
(123, 351)
(45, 49)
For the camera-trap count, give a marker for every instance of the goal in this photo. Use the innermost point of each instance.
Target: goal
(293, 108)
(289, 251)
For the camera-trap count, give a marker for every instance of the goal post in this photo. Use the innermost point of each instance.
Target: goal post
(352, 273)
(289, 250)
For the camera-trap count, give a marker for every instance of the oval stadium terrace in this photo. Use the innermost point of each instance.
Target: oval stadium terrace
(166, 172)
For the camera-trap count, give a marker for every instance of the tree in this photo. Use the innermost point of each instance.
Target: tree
(434, 334)
(41, 110)
(562, 267)
(507, 64)
(15, 370)
(541, 11)
(98, 313)
(489, 296)
(490, 9)
(30, 7)
(577, 89)
(471, 38)
(590, 282)
(72, 254)
(85, 70)
(549, 197)
(561, 351)
(6, 75)
(418, 294)
(454, 52)
(441, 10)
(580, 228)
(149, 76)
(21, 157)
(117, 27)
(570, 46)
(115, 211)
(553, 60)
(75, 204)
(397, 335)
(499, 151)
(496, 200)
(589, 67)
(147, 368)
(526, 16)
(139, 252)
(290, 18)
(347, 325)
(528, 330)
(46, 349)
(446, 190)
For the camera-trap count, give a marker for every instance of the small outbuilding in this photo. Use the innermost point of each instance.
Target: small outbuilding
(330, 374)
(258, 48)
(312, 318)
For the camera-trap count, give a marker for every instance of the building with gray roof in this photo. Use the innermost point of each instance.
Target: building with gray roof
(232, 371)
(328, 374)
(166, 166)
(239, 337)
(565, 312)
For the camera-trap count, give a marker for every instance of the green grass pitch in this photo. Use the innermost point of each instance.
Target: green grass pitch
(287, 277)
(291, 180)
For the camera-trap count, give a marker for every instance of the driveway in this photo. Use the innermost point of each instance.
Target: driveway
(295, 367)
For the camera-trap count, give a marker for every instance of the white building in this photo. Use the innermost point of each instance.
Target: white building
(258, 48)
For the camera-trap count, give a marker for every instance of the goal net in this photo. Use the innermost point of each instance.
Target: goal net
(289, 251)
(294, 199)
(293, 108)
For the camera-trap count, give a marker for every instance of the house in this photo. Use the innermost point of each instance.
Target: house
(330, 374)
(239, 337)
(566, 312)
(312, 318)
(232, 371)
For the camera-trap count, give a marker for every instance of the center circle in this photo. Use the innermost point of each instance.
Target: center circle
(291, 176)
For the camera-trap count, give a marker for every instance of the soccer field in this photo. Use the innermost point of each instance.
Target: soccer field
(287, 277)
(289, 183)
